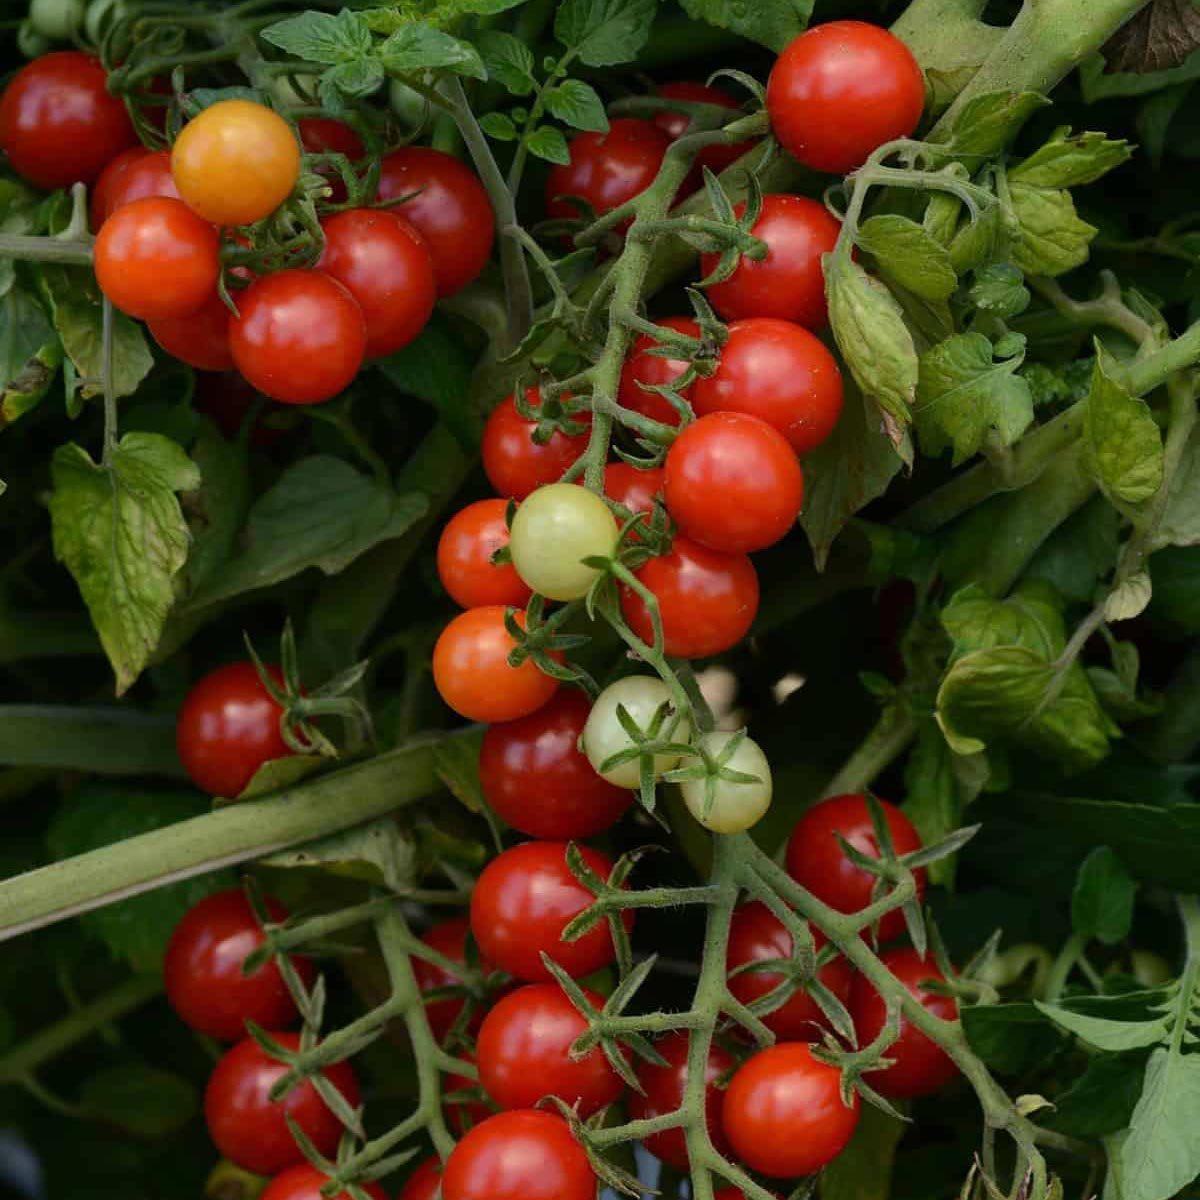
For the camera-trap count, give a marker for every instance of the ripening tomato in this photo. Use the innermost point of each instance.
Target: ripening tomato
(249, 1128)
(840, 91)
(782, 374)
(644, 698)
(606, 169)
(675, 125)
(304, 1182)
(784, 1114)
(155, 258)
(464, 558)
(424, 1182)
(732, 483)
(449, 207)
(132, 175)
(555, 531)
(236, 162)
(200, 339)
(730, 805)
(472, 672)
(524, 1052)
(643, 369)
(449, 939)
(326, 135)
(535, 777)
(59, 124)
(757, 935)
(790, 282)
(514, 463)
(227, 727)
(385, 265)
(707, 600)
(300, 336)
(527, 1154)
(818, 863)
(920, 1066)
(663, 1089)
(203, 969)
(632, 487)
(523, 901)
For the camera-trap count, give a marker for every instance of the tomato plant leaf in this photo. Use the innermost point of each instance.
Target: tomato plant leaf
(1101, 1101)
(1129, 599)
(999, 289)
(30, 354)
(1053, 237)
(772, 23)
(1122, 444)
(1115, 1033)
(1102, 902)
(1163, 35)
(1180, 524)
(216, 510)
(319, 37)
(120, 532)
(1068, 160)
(987, 123)
(378, 853)
(421, 47)
(908, 255)
(576, 104)
(508, 61)
(1080, 552)
(548, 143)
(1159, 1155)
(863, 1171)
(499, 126)
(355, 79)
(1010, 1038)
(141, 1099)
(604, 33)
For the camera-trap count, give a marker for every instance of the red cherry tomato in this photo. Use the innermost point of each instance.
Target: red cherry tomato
(732, 483)
(515, 464)
(707, 600)
(155, 258)
(790, 282)
(325, 135)
(675, 125)
(304, 1182)
(449, 207)
(524, 1052)
(200, 339)
(464, 558)
(424, 1182)
(633, 488)
(920, 1066)
(203, 969)
(606, 169)
(840, 91)
(643, 368)
(250, 1129)
(385, 265)
(664, 1087)
(449, 939)
(523, 901)
(227, 728)
(784, 1114)
(526, 1154)
(780, 373)
(756, 935)
(58, 122)
(536, 778)
(817, 862)
(133, 175)
(472, 672)
(300, 337)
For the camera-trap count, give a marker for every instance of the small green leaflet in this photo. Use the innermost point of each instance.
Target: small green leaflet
(30, 354)
(377, 853)
(1067, 160)
(1130, 1022)
(604, 33)
(999, 289)
(319, 37)
(215, 511)
(576, 103)
(120, 532)
(1102, 902)
(421, 47)
(1180, 524)
(548, 143)
(1123, 448)
(987, 123)
(508, 61)
(1160, 1155)
(909, 256)
(772, 23)
(1053, 238)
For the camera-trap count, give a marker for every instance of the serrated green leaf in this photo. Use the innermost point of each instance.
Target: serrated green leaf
(1160, 1155)
(604, 33)
(1069, 160)
(1102, 1100)
(30, 354)
(141, 1099)
(1180, 524)
(1105, 1033)
(909, 256)
(1053, 238)
(986, 241)
(355, 79)
(274, 774)
(771, 23)
(318, 37)
(424, 48)
(499, 127)
(988, 123)
(1031, 617)
(1102, 902)
(548, 143)
(120, 532)
(456, 763)
(216, 510)
(377, 853)
(576, 104)
(1123, 448)
(508, 61)
(999, 289)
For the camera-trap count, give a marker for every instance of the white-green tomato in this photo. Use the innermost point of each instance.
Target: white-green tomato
(555, 528)
(735, 806)
(603, 735)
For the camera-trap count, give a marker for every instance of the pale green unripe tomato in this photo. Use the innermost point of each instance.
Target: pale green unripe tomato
(56, 19)
(555, 528)
(603, 735)
(735, 806)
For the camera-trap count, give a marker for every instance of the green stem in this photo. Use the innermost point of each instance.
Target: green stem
(45, 249)
(1155, 369)
(106, 383)
(105, 741)
(1064, 964)
(891, 736)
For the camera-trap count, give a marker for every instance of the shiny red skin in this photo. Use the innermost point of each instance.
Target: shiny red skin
(816, 861)
(536, 778)
(448, 938)
(920, 1066)
(384, 264)
(201, 339)
(154, 258)
(464, 558)
(664, 1086)
(757, 935)
(642, 367)
(203, 969)
(784, 1115)
(733, 483)
(675, 125)
(522, 902)
(840, 91)
(133, 175)
(632, 487)
(451, 211)
(58, 122)
(524, 1052)
(790, 282)
(779, 372)
(227, 727)
(606, 169)
(527, 1154)
(326, 135)
(249, 1129)
(300, 338)
(707, 600)
(424, 1182)
(304, 1182)
(514, 463)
